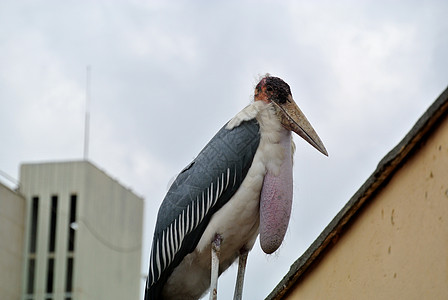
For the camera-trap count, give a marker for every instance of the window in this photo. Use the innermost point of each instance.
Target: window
(50, 275)
(53, 222)
(70, 247)
(51, 246)
(30, 286)
(33, 224)
(72, 220)
(69, 278)
(32, 245)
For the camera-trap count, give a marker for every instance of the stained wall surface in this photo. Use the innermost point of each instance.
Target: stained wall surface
(397, 245)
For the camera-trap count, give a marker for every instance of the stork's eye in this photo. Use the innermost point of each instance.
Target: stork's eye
(282, 100)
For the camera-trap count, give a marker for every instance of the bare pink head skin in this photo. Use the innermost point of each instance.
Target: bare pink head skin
(277, 191)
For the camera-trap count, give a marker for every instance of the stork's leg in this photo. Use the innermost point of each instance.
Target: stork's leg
(216, 248)
(240, 277)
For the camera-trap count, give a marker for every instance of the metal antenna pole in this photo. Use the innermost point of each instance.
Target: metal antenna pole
(87, 117)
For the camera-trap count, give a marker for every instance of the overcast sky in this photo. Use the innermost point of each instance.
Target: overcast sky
(166, 75)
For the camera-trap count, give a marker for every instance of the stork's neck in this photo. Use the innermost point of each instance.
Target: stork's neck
(271, 130)
(274, 137)
(262, 111)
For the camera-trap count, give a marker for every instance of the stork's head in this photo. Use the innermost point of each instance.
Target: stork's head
(274, 90)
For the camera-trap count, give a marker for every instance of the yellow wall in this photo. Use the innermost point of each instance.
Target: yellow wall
(397, 247)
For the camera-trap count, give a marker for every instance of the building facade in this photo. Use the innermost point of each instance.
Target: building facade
(83, 234)
(12, 230)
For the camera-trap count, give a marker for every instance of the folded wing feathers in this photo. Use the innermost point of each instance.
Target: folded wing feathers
(158, 258)
(187, 222)
(171, 247)
(166, 248)
(228, 178)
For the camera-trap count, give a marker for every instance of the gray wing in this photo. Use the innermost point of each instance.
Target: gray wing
(200, 190)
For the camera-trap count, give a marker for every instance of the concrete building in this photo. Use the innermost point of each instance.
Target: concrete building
(390, 241)
(12, 230)
(83, 234)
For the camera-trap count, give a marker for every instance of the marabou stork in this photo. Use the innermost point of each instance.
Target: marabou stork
(240, 185)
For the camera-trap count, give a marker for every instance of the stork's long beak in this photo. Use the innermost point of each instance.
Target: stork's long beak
(292, 118)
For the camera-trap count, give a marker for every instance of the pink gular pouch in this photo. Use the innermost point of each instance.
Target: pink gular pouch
(276, 201)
